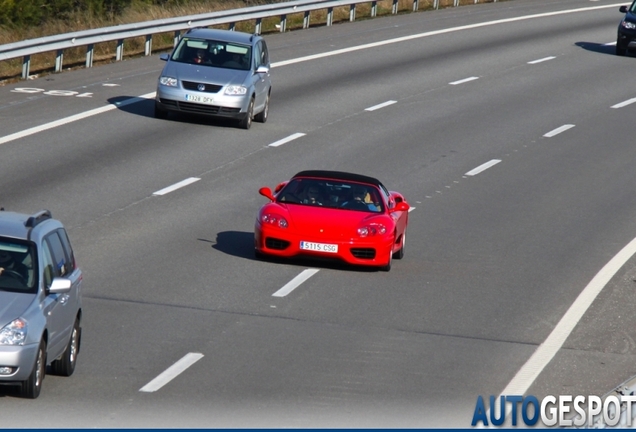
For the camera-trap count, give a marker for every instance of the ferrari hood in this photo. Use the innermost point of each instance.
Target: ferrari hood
(13, 305)
(327, 220)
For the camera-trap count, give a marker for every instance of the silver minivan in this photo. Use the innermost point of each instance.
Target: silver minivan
(219, 73)
(40, 301)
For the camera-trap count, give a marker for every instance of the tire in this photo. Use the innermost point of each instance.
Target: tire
(621, 50)
(32, 386)
(65, 366)
(387, 267)
(160, 113)
(261, 117)
(247, 121)
(400, 254)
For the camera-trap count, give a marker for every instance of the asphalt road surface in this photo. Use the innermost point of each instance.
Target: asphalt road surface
(508, 126)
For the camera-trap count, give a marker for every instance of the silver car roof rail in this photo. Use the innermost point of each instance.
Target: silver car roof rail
(38, 217)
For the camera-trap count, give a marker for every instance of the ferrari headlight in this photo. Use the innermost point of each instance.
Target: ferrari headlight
(168, 81)
(628, 25)
(235, 90)
(14, 333)
(371, 230)
(272, 219)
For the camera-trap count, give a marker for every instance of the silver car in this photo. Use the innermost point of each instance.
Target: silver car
(218, 73)
(40, 301)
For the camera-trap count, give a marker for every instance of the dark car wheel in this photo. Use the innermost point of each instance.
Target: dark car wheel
(65, 366)
(400, 254)
(32, 386)
(160, 113)
(261, 117)
(247, 121)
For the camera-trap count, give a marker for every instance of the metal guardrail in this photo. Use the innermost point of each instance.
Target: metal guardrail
(147, 29)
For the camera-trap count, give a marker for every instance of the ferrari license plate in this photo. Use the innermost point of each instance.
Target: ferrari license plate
(319, 247)
(199, 99)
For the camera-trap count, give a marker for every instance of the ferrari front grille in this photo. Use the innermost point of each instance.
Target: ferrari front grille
(363, 253)
(273, 243)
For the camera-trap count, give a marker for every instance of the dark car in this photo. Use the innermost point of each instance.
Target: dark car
(626, 39)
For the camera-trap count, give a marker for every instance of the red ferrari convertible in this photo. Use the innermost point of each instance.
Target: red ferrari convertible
(333, 214)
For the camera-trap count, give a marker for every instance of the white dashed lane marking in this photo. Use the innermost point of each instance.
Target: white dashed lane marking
(465, 80)
(172, 372)
(541, 60)
(176, 186)
(483, 167)
(624, 104)
(295, 282)
(382, 105)
(558, 130)
(286, 140)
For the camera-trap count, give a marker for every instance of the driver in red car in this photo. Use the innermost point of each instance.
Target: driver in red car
(9, 263)
(313, 196)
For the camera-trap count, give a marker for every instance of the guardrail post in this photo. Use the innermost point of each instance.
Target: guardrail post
(26, 65)
(59, 58)
(306, 20)
(394, 8)
(148, 45)
(455, 3)
(120, 50)
(177, 37)
(259, 25)
(231, 26)
(329, 16)
(283, 23)
(374, 9)
(436, 4)
(416, 5)
(90, 52)
(352, 12)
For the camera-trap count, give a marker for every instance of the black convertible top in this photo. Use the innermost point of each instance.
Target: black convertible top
(339, 175)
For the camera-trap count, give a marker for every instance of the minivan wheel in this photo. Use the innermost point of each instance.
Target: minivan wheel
(247, 121)
(65, 365)
(621, 49)
(32, 386)
(261, 117)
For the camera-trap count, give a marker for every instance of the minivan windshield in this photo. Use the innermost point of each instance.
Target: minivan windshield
(18, 266)
(213, 53)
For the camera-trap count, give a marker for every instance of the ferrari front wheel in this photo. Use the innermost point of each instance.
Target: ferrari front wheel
(400, 254)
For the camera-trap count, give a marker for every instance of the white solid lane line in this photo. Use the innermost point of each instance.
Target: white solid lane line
(548, 349)
(541, 60)
(295, 282)
(286, 140)
(483, 167)
(465, 80)
(558, 130)
(172, 372)
(382, 105)
(74, 118)
(440, 32)
(176, 186)
(624, 104)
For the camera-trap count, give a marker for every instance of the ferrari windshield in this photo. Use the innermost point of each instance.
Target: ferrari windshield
(17, 263)
(332, 194)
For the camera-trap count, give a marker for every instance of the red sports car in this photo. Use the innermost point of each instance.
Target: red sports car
(333, 214)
